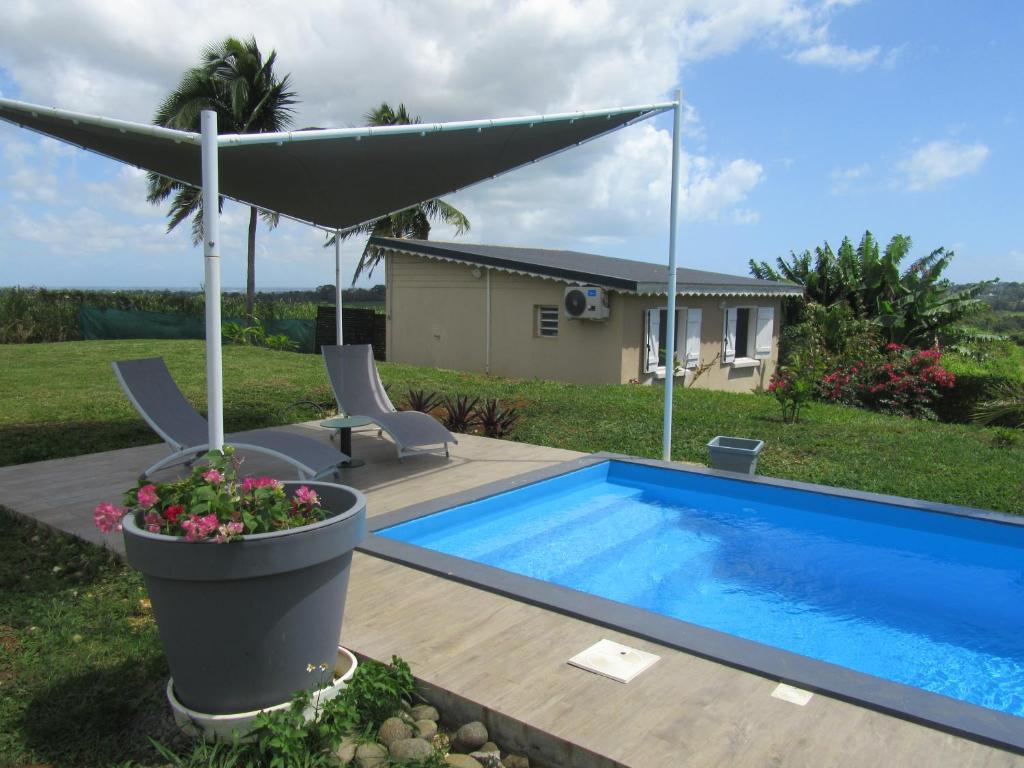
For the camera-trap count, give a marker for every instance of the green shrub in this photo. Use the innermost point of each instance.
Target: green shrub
(978, 381)
(793, 385)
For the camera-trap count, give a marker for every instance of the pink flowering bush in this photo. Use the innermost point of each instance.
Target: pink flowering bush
(905, 381)
(214, 504)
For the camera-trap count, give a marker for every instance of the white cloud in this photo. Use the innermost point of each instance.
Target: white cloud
(838, 56)
(745, 216)
(619, 188)
(709, 188)
(842, 179)
(938, 161)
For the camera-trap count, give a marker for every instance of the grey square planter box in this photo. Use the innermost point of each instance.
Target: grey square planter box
(735, 454)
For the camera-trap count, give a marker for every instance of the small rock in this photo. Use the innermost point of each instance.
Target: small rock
(346, 751)
(487, 759)
(425, 729)
(392, 730)
(516, 761)
(410, 750)
(471, 736)
(425, 712)
(371, 756)
(490, 746)
(405, 717)
(462, 761)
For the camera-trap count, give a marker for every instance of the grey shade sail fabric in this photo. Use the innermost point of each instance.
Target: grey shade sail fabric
(151, 389)
(358, 389)
(335, 179)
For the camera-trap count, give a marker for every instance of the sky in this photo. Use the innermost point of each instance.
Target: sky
(805, 121)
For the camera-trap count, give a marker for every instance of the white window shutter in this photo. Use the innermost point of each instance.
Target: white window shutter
(692, 350)
(651, 344)
(765, 328)
(729, 336)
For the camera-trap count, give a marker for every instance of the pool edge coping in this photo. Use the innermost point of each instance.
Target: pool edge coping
(961, 718)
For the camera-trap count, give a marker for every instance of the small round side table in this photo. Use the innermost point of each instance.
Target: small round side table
(344, 425)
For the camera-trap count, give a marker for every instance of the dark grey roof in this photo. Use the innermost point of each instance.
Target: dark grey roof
(591, 269)
(334, 178)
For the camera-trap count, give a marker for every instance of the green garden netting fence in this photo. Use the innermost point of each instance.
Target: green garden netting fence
(109, 323)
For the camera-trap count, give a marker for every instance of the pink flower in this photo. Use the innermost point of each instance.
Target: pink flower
(152, 520)
(173, 512)
(108, 517)
(197, 528)
(305, 496)
(191, 528)
(212, 476)
(147, 496)
(228, 530)
(250, 483)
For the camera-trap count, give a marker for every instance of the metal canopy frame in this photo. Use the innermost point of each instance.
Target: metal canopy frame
(212, 144)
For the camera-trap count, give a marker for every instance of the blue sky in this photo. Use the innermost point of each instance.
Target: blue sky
(805, 121)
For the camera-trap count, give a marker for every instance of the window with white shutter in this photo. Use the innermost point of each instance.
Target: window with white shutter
(692, 347)
(747, 335)
(652, 337)
(656, 339)
(729, 336)
(763, 335)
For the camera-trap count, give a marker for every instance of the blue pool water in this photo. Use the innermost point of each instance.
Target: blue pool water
(931, 600)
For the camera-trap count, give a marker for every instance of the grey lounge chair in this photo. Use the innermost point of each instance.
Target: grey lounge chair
(359, 392)
(156, 397)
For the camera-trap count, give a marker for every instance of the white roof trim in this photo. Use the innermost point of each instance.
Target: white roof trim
(646, 289)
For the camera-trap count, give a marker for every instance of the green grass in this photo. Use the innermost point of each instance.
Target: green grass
(62, 400)
(81, 668)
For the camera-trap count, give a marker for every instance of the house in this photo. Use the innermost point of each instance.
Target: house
(575, 317)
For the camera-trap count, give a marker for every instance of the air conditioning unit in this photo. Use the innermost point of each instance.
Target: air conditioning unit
(586, 302)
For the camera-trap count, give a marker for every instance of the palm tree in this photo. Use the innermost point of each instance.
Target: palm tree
(239, 84)
(412, 222)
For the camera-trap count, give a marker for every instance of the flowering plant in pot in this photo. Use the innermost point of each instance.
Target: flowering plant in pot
(247, 577)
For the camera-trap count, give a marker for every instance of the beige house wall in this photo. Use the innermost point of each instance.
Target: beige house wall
(437, 317)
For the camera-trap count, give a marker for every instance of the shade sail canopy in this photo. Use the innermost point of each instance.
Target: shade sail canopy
(335, 178)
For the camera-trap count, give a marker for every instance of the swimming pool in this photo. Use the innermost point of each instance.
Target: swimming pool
(910, 607)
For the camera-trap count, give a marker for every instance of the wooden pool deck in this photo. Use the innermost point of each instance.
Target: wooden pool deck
(510, 657)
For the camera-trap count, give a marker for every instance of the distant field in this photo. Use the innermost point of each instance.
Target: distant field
(62, 400)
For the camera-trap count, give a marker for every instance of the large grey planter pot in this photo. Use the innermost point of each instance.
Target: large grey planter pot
(241, 621)
(734, 454)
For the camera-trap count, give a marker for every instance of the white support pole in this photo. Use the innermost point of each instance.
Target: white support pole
(337, 285)
(487, 326)
(211, 252)
(670, 332)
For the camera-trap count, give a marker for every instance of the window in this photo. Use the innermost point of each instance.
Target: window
(655, 341)
(742, 330)
(547, 321)
(747, 335)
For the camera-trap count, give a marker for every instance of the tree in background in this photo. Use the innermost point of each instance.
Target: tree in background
(413, 222)
(240, 85)
(910, 307)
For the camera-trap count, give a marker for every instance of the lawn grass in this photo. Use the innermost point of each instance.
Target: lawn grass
(62, 400)
(81, 667)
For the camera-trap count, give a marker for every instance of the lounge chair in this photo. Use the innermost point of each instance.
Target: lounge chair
(359, 392)
(156, 397)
